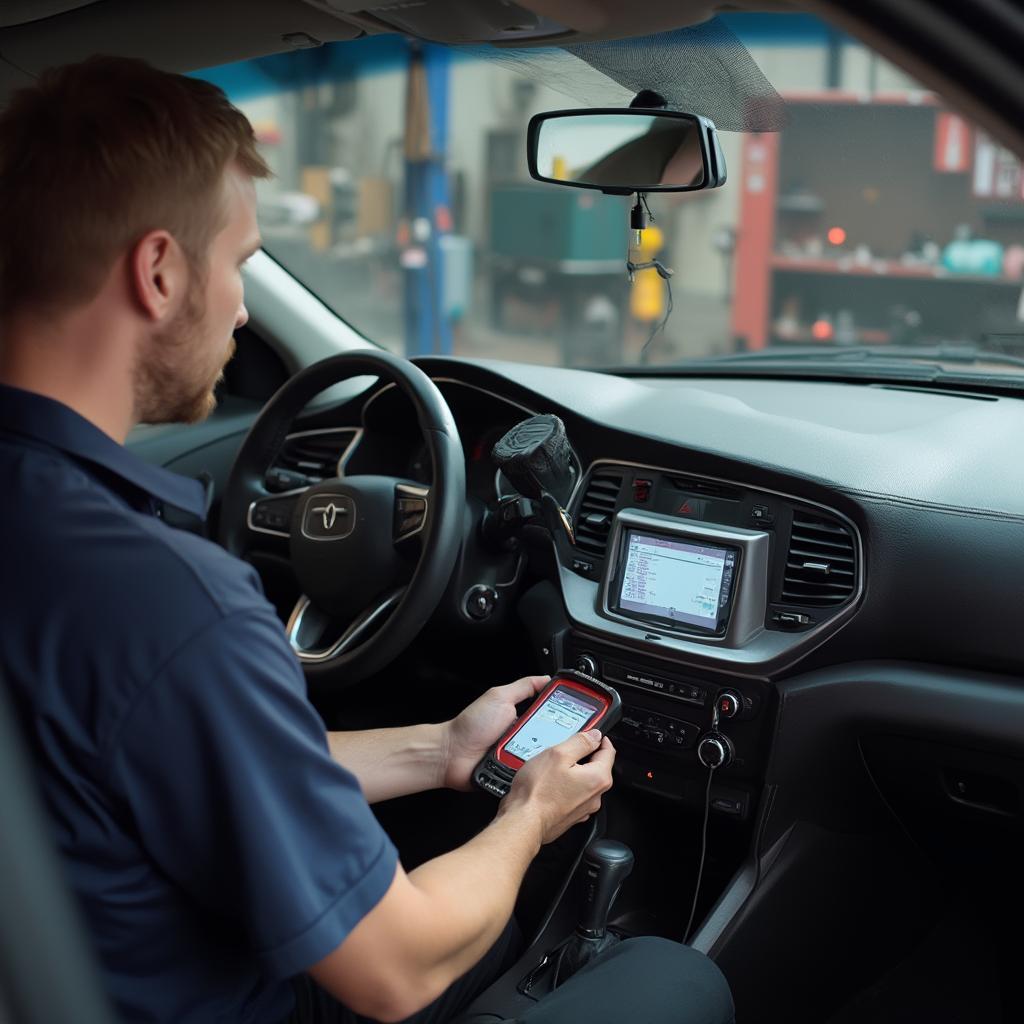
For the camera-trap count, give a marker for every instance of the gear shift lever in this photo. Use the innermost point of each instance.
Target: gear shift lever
(606, 865)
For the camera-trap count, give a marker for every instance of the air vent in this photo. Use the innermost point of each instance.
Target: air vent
(597, 510)
(710, 488)
(821, 567)
(315, 453)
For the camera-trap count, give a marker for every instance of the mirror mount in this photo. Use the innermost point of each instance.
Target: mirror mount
(648, 99)
(638, 216)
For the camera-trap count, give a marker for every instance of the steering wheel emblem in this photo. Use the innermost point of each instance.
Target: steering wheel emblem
(329, 517)
(331, 513)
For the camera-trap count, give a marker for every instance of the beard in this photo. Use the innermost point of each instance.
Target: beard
(173, 379)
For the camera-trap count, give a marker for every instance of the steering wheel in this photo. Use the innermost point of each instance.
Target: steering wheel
(366, 591)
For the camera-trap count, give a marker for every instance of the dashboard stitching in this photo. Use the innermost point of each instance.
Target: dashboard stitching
(881, 498)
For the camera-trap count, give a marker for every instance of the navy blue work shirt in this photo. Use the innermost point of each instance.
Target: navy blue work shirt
(215, 846)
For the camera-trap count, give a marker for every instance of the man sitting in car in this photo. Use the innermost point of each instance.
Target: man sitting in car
(220, 844)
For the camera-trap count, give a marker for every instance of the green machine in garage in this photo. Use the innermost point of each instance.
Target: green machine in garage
(557, 262)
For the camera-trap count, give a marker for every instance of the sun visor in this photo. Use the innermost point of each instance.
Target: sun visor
(702, 69)
(18, 12)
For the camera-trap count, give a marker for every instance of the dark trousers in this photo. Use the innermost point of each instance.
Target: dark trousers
(640, 981)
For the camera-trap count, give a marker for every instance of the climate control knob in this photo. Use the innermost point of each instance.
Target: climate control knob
(587, 664)
(715, 750)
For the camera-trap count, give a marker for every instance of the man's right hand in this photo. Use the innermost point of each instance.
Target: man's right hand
(559, 790)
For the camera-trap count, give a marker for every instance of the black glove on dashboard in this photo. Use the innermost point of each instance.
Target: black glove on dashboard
(536, 457)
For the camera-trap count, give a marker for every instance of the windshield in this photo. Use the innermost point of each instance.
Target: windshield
(873, 220)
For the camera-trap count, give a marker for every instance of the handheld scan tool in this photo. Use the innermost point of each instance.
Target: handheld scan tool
(572, 702)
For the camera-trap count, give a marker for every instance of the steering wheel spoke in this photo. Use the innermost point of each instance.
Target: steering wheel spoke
(412, 503)
(316, 636)
(273, 515)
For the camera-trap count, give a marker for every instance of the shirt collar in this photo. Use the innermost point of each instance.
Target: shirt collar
(44, 419)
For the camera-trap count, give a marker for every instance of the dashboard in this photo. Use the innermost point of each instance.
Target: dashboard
(731, 535)
(870, 522)
(915, 494)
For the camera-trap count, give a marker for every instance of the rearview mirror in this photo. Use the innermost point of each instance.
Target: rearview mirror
(621, 151)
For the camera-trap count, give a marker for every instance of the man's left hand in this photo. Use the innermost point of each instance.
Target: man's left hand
(473, 732)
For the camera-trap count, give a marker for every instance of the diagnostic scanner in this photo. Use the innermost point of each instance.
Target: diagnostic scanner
(570, 703)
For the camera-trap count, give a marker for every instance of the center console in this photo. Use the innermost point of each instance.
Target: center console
(713, 573)
(687, 594)
(666, 735)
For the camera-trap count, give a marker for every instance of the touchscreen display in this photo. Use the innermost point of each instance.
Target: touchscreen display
(678, 580)
(561, 715)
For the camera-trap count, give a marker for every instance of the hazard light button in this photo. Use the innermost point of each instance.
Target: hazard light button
(691, 508)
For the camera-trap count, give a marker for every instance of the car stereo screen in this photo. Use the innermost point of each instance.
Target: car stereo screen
(561, 715)
(665, 578)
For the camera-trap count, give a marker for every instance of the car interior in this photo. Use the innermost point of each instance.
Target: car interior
(469, 339)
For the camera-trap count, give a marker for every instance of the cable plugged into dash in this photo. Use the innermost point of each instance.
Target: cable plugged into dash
(703, 854)
(714, 751)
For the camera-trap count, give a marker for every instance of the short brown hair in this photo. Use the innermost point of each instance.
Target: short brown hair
(94, 155)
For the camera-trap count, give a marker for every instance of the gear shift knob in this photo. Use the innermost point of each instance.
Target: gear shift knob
(606, 865)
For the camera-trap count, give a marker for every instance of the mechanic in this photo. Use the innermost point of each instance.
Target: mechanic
(219, 841)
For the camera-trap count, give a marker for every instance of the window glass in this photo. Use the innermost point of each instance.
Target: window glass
(876, 217)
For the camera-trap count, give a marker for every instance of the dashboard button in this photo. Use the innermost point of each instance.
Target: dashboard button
(629, 676)
(729, 704)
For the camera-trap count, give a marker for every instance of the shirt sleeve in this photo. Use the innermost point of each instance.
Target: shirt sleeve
(225, 768)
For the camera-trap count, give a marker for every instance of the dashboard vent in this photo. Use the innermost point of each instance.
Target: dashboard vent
(709, 488)
(316, 453)
(821, 566)
(597, 510)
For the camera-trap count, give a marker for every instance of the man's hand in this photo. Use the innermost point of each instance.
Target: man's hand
(470, 735)
(435, 923)
(558, 791)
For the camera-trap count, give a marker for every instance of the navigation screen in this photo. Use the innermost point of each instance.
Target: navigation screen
(561, 715)
(677, 580)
